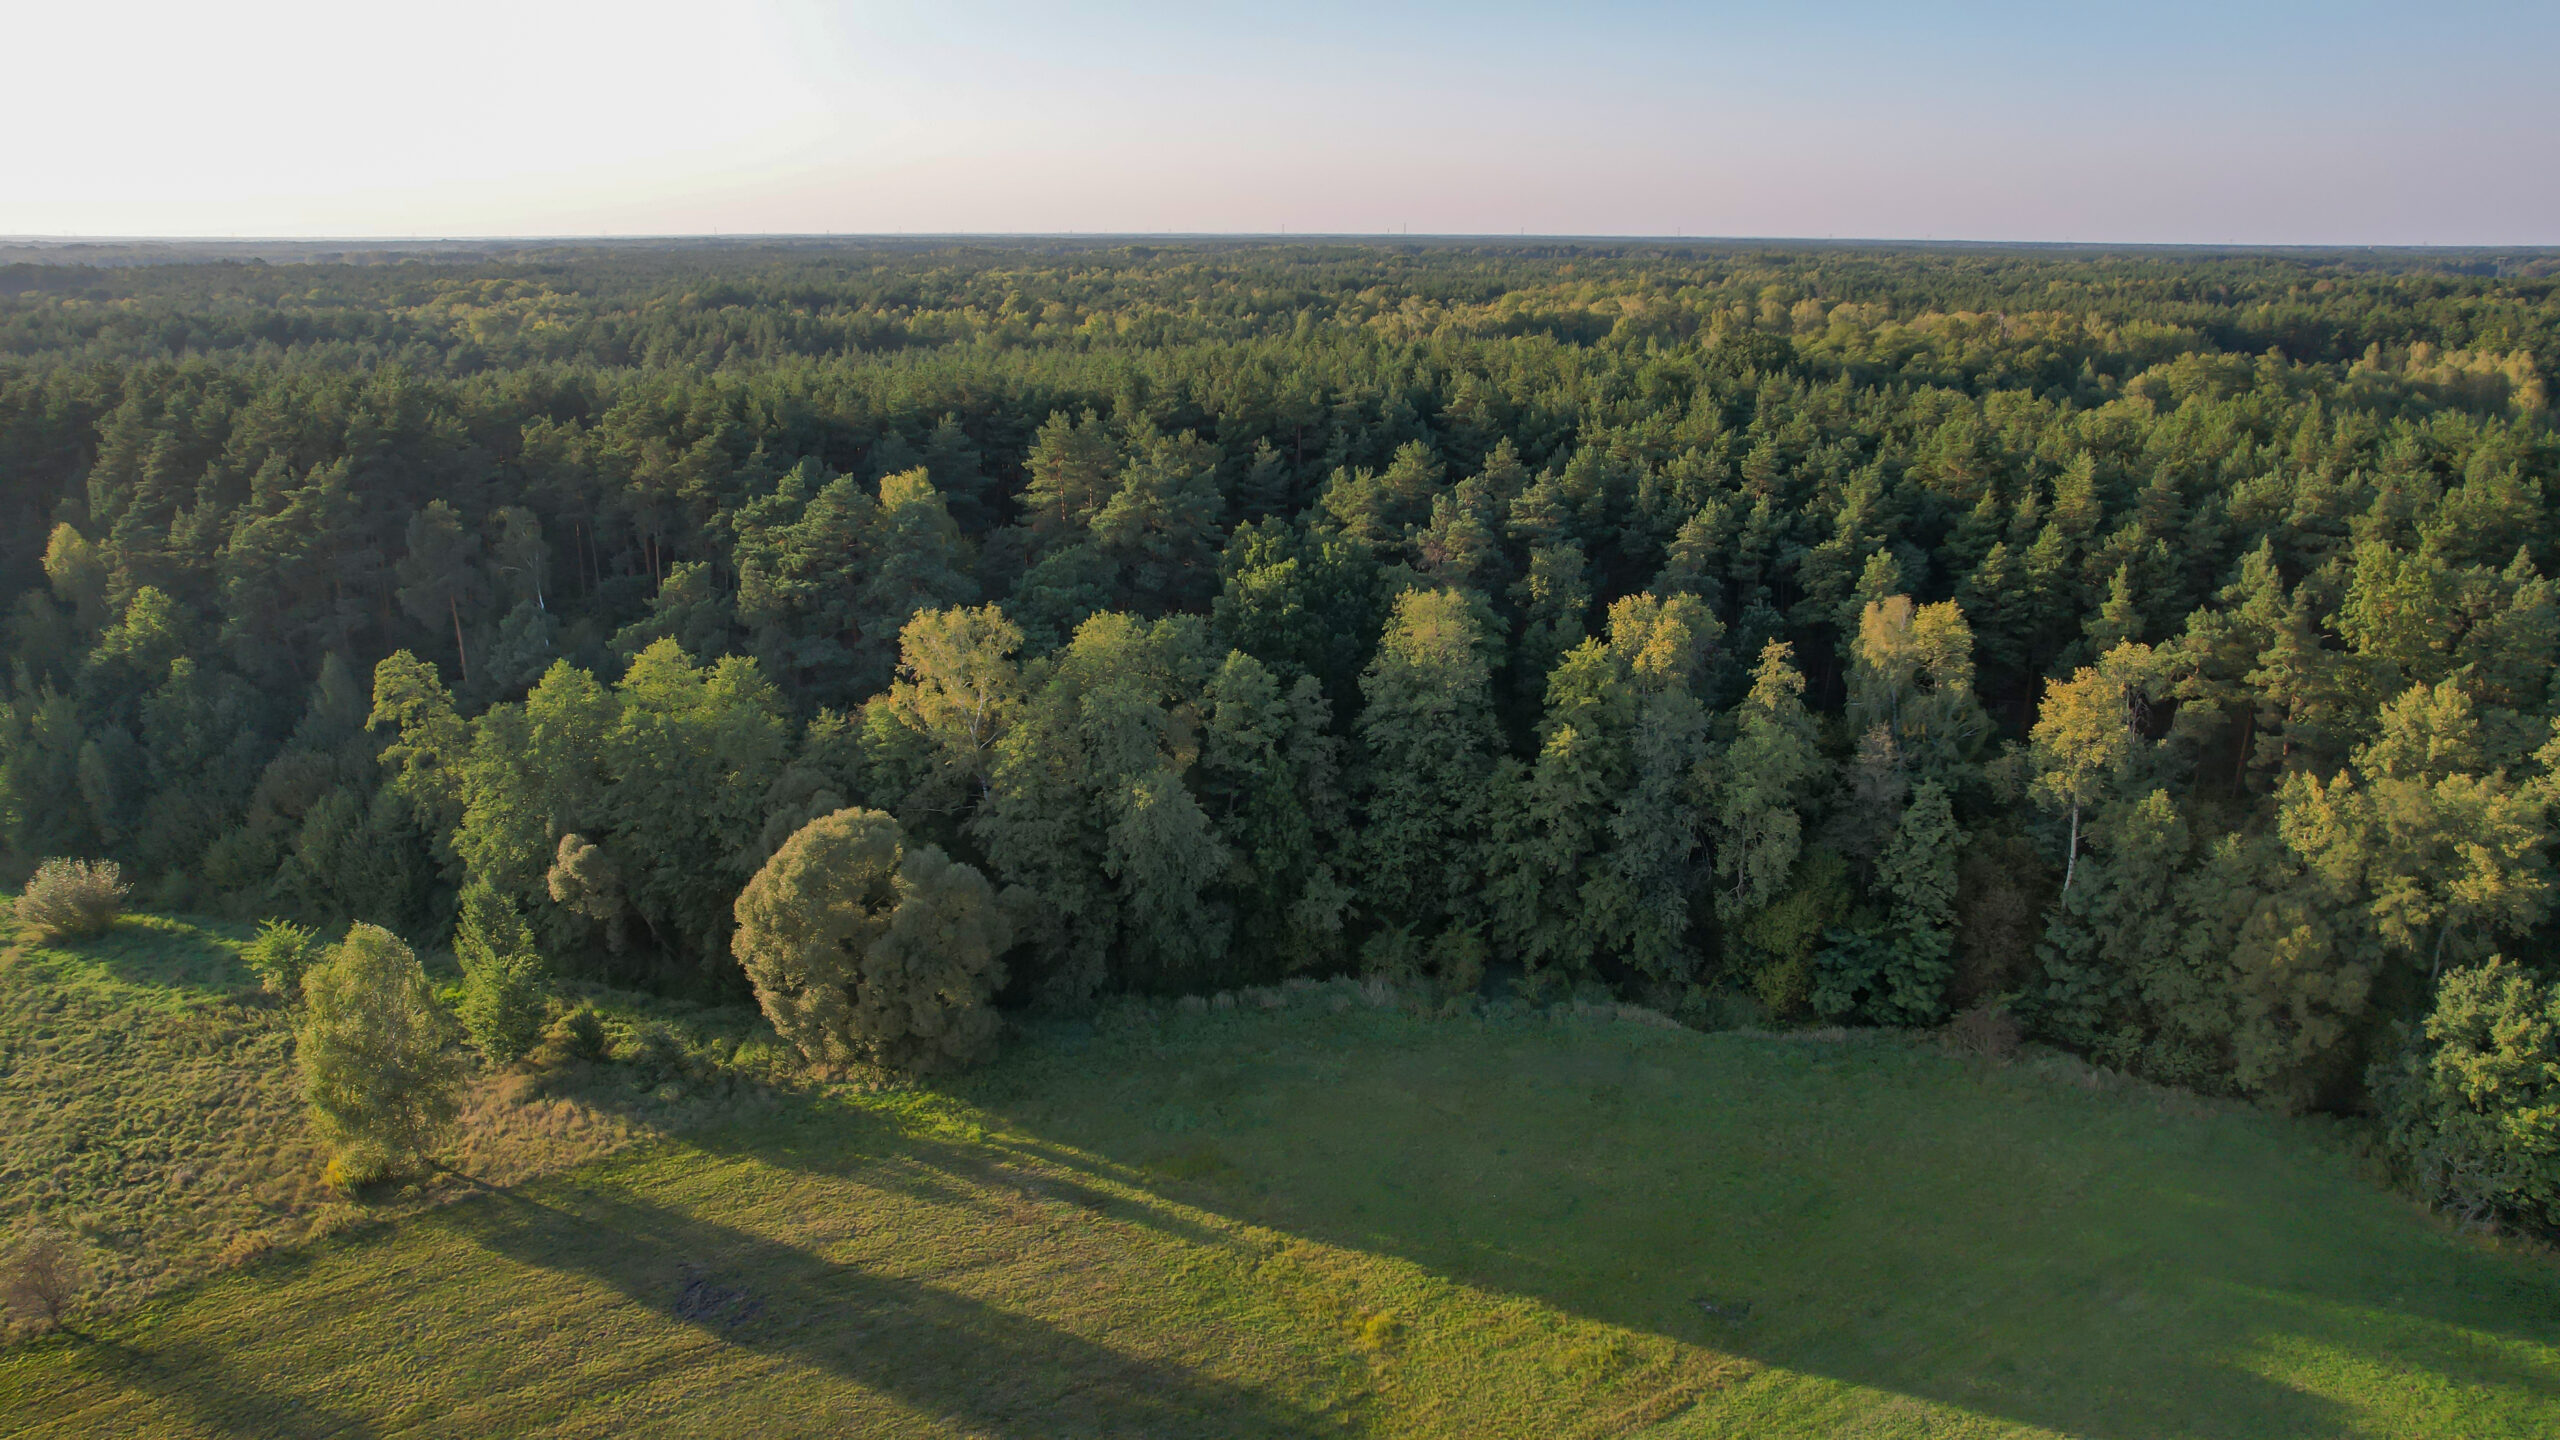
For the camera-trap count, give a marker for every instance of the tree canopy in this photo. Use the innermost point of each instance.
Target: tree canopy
(2156, 644)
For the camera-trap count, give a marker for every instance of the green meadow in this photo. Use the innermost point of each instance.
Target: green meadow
(1313, 1213)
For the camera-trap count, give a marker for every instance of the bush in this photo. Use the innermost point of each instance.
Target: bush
(1775, 947)
(73, 899)
(279, 956)
(42, 1277)
(656, 1055)
(2471, 1105)
(1985, 1028)
(577, 1035)
(1880, 977)
(861, 947)
(2002, 895)
(502, 976)
(372, 1050)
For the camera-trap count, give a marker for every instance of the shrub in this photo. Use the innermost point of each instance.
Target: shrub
(656, 1055)
(1887, 978)
(372, 1050)
(502, 974)
(577, 1035)
(279, 956)
(73, 899)
(862, 947)
(43, 1276)
(1985, 1028)
(2002, 894)
(1775, 947)
(2471, 1105)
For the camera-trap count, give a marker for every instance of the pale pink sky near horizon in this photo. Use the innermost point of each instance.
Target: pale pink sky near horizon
(2243, 122)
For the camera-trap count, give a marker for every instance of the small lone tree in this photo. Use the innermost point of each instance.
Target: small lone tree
(72, 899)
(371, 1046)
(862, 947)
(279, 955)
(43, 1276)
(502, 976)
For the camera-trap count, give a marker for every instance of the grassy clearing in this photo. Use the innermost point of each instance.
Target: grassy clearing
(148, 1103)
(1329, 1218)
(150, 1106)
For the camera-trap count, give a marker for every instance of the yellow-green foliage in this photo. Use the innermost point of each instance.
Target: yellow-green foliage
(279, 954)
(501, 1006)
(2471, 1111)
(862, 947)
(1775, 945)
(371, 1046)
(72, 899)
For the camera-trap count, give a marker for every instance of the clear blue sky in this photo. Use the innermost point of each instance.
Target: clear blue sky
(2249, 122)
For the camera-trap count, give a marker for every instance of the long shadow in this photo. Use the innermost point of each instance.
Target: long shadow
(206, 1387)
(2048, 1286)
(183, 955)
(2038, 1256)
(993, 1371)
(838, 1140)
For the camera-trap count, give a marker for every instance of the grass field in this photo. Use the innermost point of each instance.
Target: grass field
(147, 1096)
(1331, 1218)
(149, 1104)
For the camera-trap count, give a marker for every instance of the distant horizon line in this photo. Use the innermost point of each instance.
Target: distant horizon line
(1359, 236)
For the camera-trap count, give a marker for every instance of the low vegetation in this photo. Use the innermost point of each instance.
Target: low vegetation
(72, 899)
(1303, 1210)
(151, 1108)
(41, 1277)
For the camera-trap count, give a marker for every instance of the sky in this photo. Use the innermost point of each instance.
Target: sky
(2243, 121)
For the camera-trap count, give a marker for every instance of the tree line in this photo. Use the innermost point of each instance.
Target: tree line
(2158, 649)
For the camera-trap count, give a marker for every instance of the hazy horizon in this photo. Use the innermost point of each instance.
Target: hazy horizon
(1282, 236)
(2288, 124)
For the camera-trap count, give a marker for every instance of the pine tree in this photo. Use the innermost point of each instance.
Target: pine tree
(1919, 872)
(1428, 743)
(1761, 782)
(1090, 811)
(1554, 598)
(440, 579)
(1270, 779)
(502, 973)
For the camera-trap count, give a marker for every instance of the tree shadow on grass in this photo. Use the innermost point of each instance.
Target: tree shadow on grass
(158, 952)
(990, 1370)
(2041, 1274)
(987, 1177)
(205, 1387)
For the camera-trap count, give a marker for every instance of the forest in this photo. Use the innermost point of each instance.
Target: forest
(2154, 650)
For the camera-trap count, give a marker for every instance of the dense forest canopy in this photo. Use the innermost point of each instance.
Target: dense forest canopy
(2157, 643)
